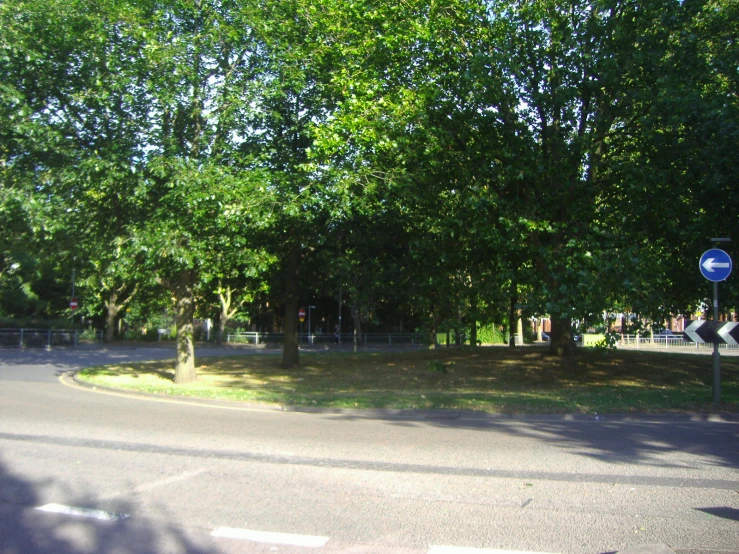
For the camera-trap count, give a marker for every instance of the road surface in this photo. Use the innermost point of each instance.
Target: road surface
(86, 471)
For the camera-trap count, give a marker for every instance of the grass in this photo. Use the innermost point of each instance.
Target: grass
(496, 380)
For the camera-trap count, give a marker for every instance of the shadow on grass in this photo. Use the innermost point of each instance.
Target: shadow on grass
(495, 380)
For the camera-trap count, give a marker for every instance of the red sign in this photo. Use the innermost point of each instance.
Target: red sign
(301, 314)
(73, 304)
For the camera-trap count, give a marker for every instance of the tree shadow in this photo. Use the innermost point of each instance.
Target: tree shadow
(726, 513)
(613, 442)
(76, 358)
(645, 443)
(24, 529)
(33, 363)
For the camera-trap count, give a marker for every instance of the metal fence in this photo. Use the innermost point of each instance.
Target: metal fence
(365, 339)
(47, 338)
(669, 342)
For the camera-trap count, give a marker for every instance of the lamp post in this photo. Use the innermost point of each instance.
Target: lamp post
(310, 336)
(338, 341)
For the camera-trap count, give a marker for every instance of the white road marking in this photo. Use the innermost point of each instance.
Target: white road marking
(146, 487)
(82, 512)
(467, 550)
(309, 541)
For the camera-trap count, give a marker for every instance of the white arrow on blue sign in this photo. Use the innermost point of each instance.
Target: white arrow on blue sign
(715, 265)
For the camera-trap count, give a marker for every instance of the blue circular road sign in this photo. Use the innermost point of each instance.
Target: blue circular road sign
(715, 265)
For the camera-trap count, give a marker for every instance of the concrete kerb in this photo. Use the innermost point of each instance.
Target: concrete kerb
(461, 415)
(216, 403)
(659, 548)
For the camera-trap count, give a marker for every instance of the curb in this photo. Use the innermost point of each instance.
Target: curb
(216, 403)
(659, 548)
(459, 415)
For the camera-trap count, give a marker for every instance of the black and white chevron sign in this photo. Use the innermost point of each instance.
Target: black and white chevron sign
(716, 332)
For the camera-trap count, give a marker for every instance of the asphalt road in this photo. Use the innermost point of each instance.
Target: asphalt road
(86, 471)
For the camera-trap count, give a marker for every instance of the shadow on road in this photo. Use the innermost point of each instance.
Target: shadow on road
(69, 358)
(726, 513)
(643, 442)
(617, 442)
(26, 530)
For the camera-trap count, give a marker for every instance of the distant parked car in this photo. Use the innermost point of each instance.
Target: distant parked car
(545, 336)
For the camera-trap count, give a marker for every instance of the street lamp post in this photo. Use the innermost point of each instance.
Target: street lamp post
(310, 336)
(338, 338)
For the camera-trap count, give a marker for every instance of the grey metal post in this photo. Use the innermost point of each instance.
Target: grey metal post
(310, 336)
(20, 345)
(716, 354)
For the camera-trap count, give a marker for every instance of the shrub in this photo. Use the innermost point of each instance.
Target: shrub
(489, 334)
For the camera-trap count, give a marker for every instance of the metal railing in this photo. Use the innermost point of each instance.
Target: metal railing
(47, 338)
(364, 339)
(667, 342)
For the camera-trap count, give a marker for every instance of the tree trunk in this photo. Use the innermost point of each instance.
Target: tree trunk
(519, 325)
(434, 331)
(185, 305)
(357, 326)
(221, 329)
(563, 342)
(473, 323)
(290, 353)
(112, 309)
(512, 315)
(225, 297)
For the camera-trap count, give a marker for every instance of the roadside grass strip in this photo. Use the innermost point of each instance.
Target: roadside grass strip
(493, 380)
(287, 539)
(82, 512)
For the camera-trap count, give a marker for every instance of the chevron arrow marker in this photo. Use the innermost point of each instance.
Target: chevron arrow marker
(725, 331)
(692, 331)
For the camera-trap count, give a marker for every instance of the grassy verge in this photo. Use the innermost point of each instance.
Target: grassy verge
(495, 380)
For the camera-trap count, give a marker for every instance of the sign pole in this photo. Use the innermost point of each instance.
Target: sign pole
(716, 354)
(716, 265)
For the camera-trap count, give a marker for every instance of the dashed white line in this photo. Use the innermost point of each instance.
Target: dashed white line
(267, 537)
(309, 541)
(82, 512)
(147, 487)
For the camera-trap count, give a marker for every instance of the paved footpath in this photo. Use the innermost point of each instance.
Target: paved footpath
(89, 471)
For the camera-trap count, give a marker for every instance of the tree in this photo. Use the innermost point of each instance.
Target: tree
(149, 102)
(299, 59)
